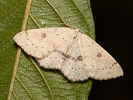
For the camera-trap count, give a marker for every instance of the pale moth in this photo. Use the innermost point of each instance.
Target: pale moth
(75, 54)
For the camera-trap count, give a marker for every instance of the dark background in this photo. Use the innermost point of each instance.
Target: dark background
(114, 25)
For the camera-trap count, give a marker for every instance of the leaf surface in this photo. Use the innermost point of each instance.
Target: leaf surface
(33, 82)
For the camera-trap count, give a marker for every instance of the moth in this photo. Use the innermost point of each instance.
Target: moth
(75, 54)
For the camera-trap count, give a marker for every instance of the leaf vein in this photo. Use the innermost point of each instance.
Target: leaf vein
(12, 9)
(15, 95)
(24, 87)
(5, 68)
(43, 77)
(56, 11)
(7, 39)
(4, 92)
(81, 14)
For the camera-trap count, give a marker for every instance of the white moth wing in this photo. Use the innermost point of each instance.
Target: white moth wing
(98, 63)
(72, 67)
(40, 42)
(55, 59)
(66, 58)
(75, 54)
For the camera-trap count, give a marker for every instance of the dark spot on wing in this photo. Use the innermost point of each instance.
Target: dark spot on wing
(65, 55)
(43, 35)
(80, 31)
(74, 37)
(114, 63)
(79, 58)
(99, 55)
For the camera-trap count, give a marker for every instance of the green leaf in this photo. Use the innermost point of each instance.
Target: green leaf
(32, 81)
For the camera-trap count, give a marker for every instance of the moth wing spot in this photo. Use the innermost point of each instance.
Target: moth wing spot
(99, 55)
(43, 35)
(79, 58)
